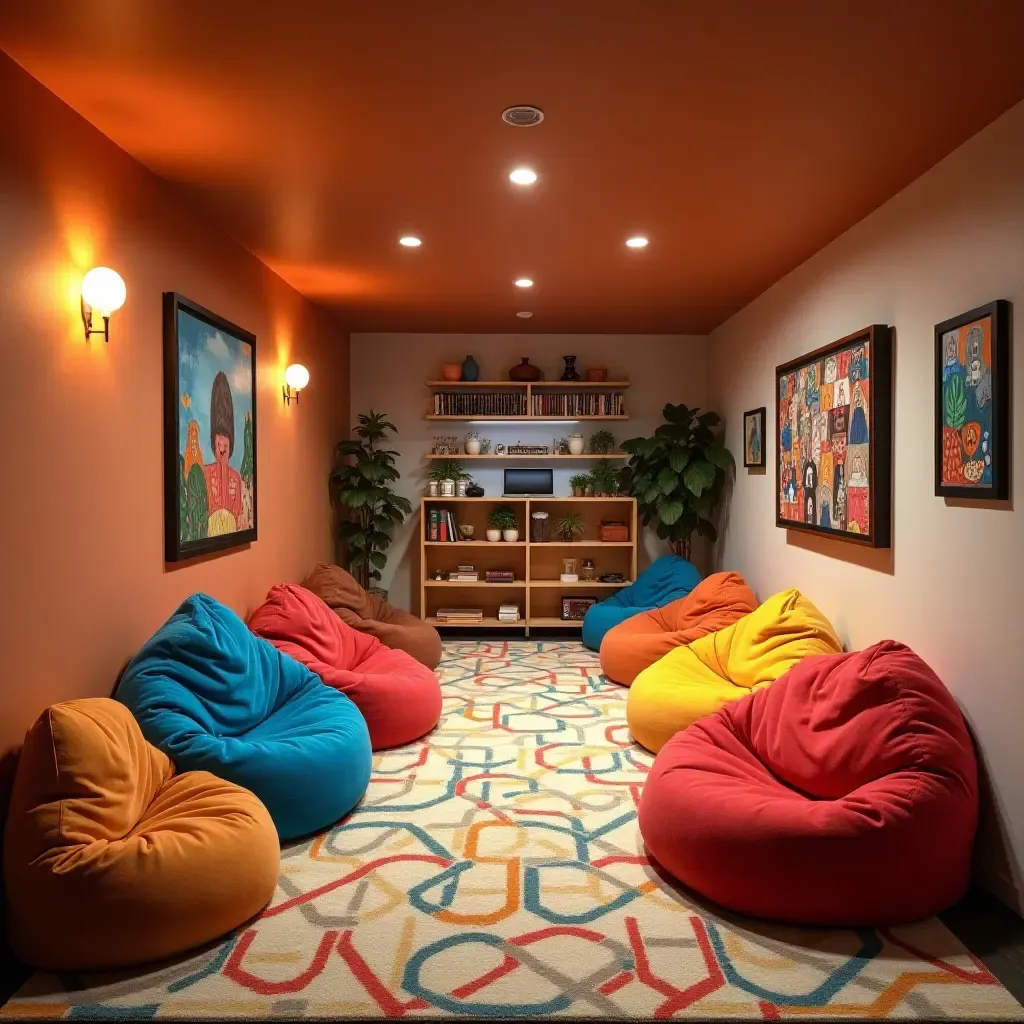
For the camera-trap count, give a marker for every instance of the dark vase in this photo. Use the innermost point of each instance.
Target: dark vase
(470, 369)
(570, 372)
(525, 371)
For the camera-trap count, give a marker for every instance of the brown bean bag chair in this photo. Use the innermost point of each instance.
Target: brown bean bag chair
(715, 603)
(392, 626)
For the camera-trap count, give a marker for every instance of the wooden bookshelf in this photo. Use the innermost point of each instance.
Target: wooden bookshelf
(526, 390)
(537, 566)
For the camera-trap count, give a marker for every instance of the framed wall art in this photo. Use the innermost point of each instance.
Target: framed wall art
(972, 404)
(834, 439)
(209, 431)
(753, 438)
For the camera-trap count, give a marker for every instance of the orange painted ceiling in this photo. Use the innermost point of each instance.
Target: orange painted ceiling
(740, 135)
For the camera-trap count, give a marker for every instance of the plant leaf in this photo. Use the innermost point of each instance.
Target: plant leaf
(670, 511)
(667, 481)
(678, 458)
(720, 456)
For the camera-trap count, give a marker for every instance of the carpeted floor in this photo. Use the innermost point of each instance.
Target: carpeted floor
(495, 870)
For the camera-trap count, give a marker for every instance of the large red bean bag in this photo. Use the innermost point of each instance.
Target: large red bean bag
(844, 794)
(399, 698)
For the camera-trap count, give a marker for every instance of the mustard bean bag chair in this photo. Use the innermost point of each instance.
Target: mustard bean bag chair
(111, 859)
(690, 683)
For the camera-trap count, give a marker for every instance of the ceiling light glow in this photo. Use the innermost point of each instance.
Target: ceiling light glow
(524, 314)
(410, 241)
(637, 242)
(523, 176)
(524, 282)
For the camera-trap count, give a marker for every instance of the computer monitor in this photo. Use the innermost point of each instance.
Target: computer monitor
(529, 482)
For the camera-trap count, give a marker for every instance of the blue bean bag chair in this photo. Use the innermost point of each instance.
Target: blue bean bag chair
(666, 580)
(216, 698)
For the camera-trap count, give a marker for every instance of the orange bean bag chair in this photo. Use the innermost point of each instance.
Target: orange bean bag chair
(371, 614)
(111, 859)
(716, 602)
(399, 698)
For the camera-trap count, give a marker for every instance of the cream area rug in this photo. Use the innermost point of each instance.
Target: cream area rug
(495, 871)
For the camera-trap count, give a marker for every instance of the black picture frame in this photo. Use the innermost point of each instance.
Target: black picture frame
(877, 343)
(998, 417)
(178, 548)
(761, 415)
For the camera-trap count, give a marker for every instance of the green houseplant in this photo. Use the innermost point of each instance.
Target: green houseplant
(602, 442)
(679, 474)
(578, 482)
(603, 477)
(448, 469)
(570, 525)
(501, 520)
(368, 507)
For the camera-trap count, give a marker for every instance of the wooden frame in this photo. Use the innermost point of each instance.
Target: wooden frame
(979, 399)
(866, 356)
(218, 481)
(760, 420)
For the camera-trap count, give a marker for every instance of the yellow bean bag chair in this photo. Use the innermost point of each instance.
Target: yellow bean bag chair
(111, 859)
(693, 682)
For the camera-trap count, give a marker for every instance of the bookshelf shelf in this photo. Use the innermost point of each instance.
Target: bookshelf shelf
(513, 458)
(536, 565)
(546, 401)
(524, 419)
(564, 385)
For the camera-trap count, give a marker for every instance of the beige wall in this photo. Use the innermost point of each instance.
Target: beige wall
(952, 586)
(388, 371)
(81, 521)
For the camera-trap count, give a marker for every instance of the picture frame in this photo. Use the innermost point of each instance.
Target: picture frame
(972, 404)
(575, 608)
(753, 438)
(833, 444)
(210, 435)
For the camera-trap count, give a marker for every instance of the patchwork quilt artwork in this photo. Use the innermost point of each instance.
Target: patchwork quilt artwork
(495, 871)
(833, 462)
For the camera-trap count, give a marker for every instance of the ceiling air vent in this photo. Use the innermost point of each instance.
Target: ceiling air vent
(522, 116)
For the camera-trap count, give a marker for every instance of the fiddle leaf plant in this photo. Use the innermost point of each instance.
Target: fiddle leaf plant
(678, 475)
(368, 508)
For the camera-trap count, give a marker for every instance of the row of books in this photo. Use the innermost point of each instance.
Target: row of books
(488, 403)
(580, 403)
(457, 616)
(442, 525)
(508, 613)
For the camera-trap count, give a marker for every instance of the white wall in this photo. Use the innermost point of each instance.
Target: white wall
(952, 587)
(387, 375)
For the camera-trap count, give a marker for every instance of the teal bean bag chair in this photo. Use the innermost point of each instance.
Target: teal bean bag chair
(216, 698)
(662, 582)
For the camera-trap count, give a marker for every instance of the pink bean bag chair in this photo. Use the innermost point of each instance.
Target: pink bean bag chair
(399, 698)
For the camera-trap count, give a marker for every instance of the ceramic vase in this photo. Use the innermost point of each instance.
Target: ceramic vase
(570, 372)
(472, 445)
(576, 444)
(451, 371)
(447, 488)
(510, 535)
(525, 371)
(470, 369)
(493, 535)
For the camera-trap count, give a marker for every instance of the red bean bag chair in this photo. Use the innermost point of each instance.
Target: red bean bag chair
(641, 640)
(844, 794)
(399, 698)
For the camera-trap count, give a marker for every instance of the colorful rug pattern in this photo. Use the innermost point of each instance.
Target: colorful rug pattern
(495, 870)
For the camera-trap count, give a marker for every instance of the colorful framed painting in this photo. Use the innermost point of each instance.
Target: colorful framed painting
(972, 404)
(753, 438)
(209, 431)
(833, 420)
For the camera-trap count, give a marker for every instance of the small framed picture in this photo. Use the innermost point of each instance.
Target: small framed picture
(753, 438)
(972, 404)
(574, 608)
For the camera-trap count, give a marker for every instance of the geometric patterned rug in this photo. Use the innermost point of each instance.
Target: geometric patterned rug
(495, 871)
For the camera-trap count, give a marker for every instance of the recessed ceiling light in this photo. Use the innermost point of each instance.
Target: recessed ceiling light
(524, 282)
(522, 116)
(637, 242)
(524, 315)
(410, 241)
(523, 176)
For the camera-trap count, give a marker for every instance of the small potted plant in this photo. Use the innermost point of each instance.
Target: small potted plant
(472, 443)
(603, 477)
(578, 482)
(570, 526)
(602, 442)
(501, 524)
(588, 487)
(448, 472)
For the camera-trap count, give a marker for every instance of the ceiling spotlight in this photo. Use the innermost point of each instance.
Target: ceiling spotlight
(522, 115)
(524, 282)
(525, 315)
(637, 242)
(410, 241)
(523, 176)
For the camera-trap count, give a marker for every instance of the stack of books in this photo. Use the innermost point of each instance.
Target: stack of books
(464, 574)
(442, 525)
(508, 613)
(460, 616)
(463, 403)
(499, 576)
(579, 403)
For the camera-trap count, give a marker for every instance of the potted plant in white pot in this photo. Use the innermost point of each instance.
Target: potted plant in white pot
(578, 482)
(502, 524)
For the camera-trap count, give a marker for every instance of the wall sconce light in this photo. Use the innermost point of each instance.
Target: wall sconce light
(296, 377)
(103, 291)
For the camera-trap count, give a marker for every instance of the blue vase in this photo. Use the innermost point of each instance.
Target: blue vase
(470, 370)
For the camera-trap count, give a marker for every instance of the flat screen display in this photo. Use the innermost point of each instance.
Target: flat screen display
(529, 481)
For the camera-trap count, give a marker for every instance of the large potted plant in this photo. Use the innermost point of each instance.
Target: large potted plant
(679, 474)
(368, 509)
